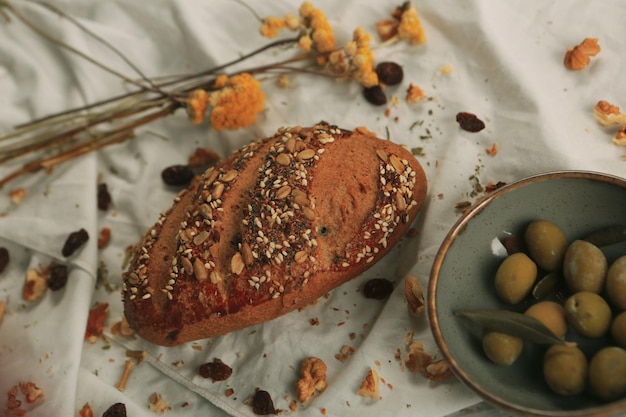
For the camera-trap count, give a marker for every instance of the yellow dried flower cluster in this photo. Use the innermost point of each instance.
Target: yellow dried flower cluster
(317, 34)
(236, 101)
(355, 59)
(404, 24)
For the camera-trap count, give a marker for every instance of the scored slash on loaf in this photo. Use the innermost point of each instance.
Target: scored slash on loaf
(270, 229)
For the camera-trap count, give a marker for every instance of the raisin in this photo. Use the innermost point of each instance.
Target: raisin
(58, 277)
(262, 403)
(389, 73)
(378, 288)
(375, 95)
(4, 259)
(104, 198)
(177, 175)
(216, 370)
(74, 241)
(469, 122)
(116, 410)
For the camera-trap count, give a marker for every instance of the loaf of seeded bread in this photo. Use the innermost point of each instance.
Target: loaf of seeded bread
(270, 229)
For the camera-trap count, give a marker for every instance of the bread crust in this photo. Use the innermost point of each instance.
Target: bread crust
(268, 230)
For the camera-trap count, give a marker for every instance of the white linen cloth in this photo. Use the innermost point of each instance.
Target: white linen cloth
(506, 61)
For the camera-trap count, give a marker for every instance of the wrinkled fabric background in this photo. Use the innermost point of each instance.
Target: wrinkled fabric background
(506, 61)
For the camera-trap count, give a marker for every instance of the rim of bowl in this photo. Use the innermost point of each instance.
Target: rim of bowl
(608, 409)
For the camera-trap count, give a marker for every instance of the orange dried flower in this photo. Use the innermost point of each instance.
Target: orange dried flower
(578, 57)
(410, 28)
(322, 35)
(237, 101)
(196, 105)
(271, 26)
(363, 60)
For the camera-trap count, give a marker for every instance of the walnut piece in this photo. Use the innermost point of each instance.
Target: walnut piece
(417, 359)
(312, 378)
(369, 385)
(578, 57)
(95, 322)
(414, 94)
(607, 114)
(620, 136)
(414, 295)
(86, 411)
(438, 370)
(35, 284)
(158, 404)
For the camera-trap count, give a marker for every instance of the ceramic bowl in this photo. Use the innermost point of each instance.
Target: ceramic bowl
(462, 278)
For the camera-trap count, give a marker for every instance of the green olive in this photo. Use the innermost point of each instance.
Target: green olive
(546, 244)
(565, 369)
(551, 314)
(584, 267)
(501, 348)
(588, 313)
(618, 329)
(616, 283)
(515, 277)
(607, 373)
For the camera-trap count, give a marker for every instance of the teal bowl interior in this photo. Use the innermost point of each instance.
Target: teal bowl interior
(463, 273)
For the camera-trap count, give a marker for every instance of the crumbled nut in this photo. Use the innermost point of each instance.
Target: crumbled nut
(197, 105)
(414, 94)
(312, 378)
(158, 404)
(17, 195)
(86, 411)
(414, 295)
(95, 322)
(607, 114)
(35, 284)
(493, 150)
(31, 391)
(438, 370)
(577, 58)
(229, 392)
(104, 237)
(620, 136)
(344, 353)
(417, 359)
(364, 131)
(369, 385)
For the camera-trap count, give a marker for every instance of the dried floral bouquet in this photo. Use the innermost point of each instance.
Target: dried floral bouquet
(230, 100)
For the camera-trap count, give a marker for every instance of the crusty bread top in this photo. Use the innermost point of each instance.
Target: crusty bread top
(269, 229)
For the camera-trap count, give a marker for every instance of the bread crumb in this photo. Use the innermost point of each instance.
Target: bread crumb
(414, 94)
(578, 57)
(446, 69)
